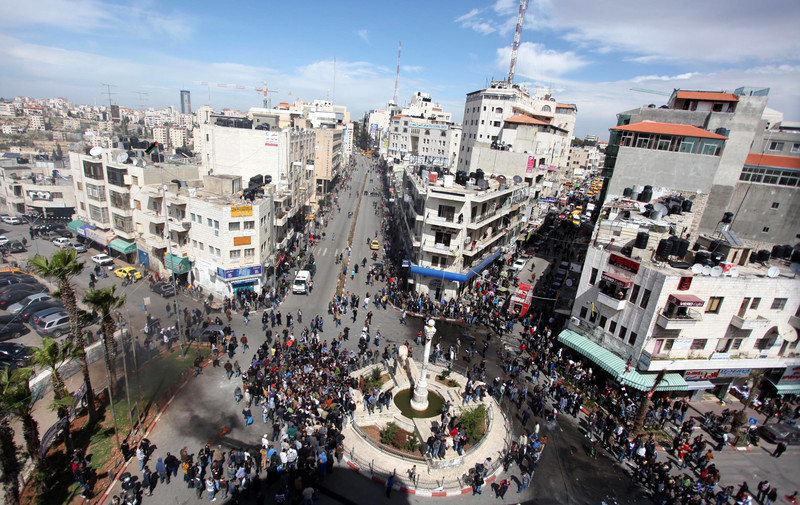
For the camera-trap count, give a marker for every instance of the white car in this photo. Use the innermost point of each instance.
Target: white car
(12, 220)
(3, 240)
(103, 259)
(61, 242)
(519, 265)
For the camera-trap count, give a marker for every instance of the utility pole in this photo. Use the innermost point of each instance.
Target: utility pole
(109, 93)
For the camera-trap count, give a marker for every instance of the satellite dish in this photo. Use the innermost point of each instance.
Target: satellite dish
(716, 271)
(773, 272)
(96, 151)
(143, 163)
(517, 179)
(482, 184)
(734, 272)
(697, 268)
(135, 162)
(706, 270)
(122, 157)
(569, 283)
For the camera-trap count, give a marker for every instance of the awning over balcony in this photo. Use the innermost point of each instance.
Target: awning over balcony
(617, 279)
(76, 225)
(616, 366)
(177, 264)
(697, 385)
(122, 246)
(685, 300)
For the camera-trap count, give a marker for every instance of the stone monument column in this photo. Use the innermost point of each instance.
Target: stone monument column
(420, 398)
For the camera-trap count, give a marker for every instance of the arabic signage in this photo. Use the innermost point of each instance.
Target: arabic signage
(685, 283)
(239, 272)
(271, 139)
(429, 126)
(791, 375)
(242, 211)
(531, 164)
(698, 375)
(623, 263)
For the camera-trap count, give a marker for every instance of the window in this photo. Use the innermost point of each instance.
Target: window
(194, 243)
(442, 238)
(612, 326)
(796, 148)
(755, 303)
(216, 224)
(584, 311)
(123, 223)
(118, 200)
(249, 225)
(97, 193)
(93, 170)
(603, 321)
(778, 304)
(698, 344)
(593, 316)
(116, 176)
(775, 205)
(134, 180)
(765, 229)
(99, 214)
(632, 338)
(202, 246)
(249, 253)
(234, 226)
(192, 216)
(622, 332)
(714, 304)
(208, 221)
(236, 253)
(776, 146)
(635, 293)
(645, 299)
(593, 277)
(80, 186)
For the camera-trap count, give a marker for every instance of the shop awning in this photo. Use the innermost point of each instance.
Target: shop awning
(76, 225)
(685, 300)
(617, 279)
(695, 385)
(785, 389)
(616, 366)
(177, 264)
(122, 246)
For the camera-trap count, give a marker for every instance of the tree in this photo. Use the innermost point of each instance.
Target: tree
(105, 301)
(740, 417)
(644, 405)
(9, 462)
(15, 395)
(51, 355)
(62, 267)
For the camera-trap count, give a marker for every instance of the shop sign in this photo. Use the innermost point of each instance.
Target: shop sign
(623, 263)
(239, 272)
(720, 355)
(644, 360)
(242, 211)
(698, 375)
(682, 344)
(685, 283)
(271, 139)
(531, 163)
(734, 372)
(791, 375)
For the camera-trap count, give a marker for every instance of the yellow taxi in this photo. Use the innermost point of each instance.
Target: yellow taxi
(123, 273)
(374, 245)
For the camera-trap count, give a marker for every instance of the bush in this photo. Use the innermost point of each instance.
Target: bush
(400, 439)
(412, 444)
(388, 433)
(373, 379)
(444, 375)
(474, 423)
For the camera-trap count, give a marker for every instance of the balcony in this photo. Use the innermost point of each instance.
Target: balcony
(481, 245)
(447, 221)
(153, 216)
(611, 302)
(179, 225)
(795, 322)
(670, 321)
(431, 247)
(750, 323)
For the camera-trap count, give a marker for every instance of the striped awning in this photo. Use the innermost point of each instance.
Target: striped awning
(76, 225)
(122, 246)
(617, 367)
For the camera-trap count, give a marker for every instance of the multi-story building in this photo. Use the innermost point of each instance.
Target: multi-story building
(327, 158)
(647, 302)
(418, 141)
(585, 158)
(186, 102)
(36, 189)
(422, 105)
(161, 135)
(178, 136)
(453, 230)
(485, 115)
(711, 142)
(36, 123)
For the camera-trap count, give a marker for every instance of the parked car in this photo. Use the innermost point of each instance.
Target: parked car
(12, 280)
(26, 313)
(781, 432)
(204, 334)
(16, 308)
(519, 265)
(10, 351)
(3, 239)
(78, 247)
(15, 246)
(55, 325)
(61, 242)
(311, 268)
(124, 272)
(11, 220)
(12, 330)
(41, 314)
(103, 259)
(16, 295)
(164, 289)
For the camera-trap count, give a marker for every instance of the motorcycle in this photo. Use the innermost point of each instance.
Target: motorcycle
(753, 436)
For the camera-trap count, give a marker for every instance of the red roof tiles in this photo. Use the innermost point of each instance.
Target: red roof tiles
(713, 96)
(678, 130)
(772, 160)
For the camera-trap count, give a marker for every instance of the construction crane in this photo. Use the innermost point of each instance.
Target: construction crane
(397, 75)
(260, 90)
(651, 91)
(523, 6)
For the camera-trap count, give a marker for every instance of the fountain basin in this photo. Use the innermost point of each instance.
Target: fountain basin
(403, 402)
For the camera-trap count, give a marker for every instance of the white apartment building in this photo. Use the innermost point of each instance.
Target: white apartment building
(327, 158)
(454, 230)
(36, 123)
(708, 318)
(26, 189)
(161, 135)
(422, 105)
(586, 158)
(178, 136)
(416, 141)
(486, 111)
(9, 128)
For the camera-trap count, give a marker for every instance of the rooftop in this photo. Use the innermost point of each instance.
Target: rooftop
(772, 160)
(678, 130)
(716, 96)
(526, 120)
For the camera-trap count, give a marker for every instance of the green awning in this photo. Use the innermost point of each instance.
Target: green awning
(785, 389)
(122, 246)
(616, 366)
(177, 264)
(75, 225)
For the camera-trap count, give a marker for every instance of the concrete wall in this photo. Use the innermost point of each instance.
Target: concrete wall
(757, 212)
(680, 171)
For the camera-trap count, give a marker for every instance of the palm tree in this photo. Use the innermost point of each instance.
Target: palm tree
(105, 301)
(52, 356)
(644, 405)
(62, 267)
(15, 395)
(9, 463)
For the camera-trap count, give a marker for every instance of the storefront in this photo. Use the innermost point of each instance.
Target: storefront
(238, 279)
(123, 249)
(100, 238)
(179, 266)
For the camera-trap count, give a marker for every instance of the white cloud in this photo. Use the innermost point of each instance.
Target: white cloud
(411, 69)
(364, 35)
(466, 17)
(504, 7)
(644, 78)
(473, 21)
(535, 61)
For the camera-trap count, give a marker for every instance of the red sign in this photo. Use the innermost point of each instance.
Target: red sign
(685, 283)
(696, 375)
(624, 263)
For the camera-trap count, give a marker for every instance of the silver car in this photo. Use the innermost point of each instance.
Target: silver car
(15, 308)
(55, 325)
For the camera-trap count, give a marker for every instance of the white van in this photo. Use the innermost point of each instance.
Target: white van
(300, 286)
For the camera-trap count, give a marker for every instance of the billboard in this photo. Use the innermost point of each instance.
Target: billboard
(242, 211)
(531, 163)
(271, 139)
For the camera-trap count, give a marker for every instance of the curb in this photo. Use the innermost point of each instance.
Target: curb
(431, 493)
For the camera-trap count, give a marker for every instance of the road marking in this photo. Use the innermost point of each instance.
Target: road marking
(324, 251)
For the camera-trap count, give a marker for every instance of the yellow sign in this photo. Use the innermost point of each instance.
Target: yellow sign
(241, 240)
(243, 211)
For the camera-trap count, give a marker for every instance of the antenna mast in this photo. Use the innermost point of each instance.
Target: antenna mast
(397, 75)
(333, 97)
(523, 6)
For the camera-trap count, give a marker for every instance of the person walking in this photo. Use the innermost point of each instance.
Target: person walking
(389, 485)
(501, 491)
(780, 449)
(477, 482)
(526, 480)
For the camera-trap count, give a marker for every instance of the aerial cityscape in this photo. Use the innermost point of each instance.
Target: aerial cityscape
(500, 252)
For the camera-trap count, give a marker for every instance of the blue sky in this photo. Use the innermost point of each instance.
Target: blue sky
(589, 53)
